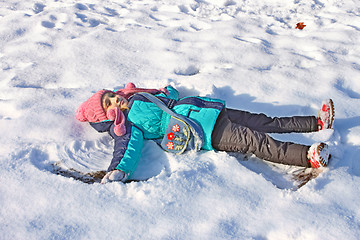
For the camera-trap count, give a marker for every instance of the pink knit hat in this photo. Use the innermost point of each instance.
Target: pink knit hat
(91, 110)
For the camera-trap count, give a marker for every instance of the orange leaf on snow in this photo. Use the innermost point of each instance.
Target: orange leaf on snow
(300, 25)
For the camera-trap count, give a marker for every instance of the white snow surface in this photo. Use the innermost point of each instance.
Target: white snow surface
(54, 54)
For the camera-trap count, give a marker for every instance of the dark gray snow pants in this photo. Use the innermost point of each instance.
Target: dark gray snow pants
(245, 132)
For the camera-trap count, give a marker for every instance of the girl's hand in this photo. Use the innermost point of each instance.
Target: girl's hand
(114, 175)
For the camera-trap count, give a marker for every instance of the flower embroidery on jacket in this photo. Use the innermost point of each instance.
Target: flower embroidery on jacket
(170, 145)
(170, 136)
(176, 128)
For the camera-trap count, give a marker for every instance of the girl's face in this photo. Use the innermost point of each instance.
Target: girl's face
(113, 100)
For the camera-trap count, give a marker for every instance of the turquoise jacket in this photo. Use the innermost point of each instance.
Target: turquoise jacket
(146, 121)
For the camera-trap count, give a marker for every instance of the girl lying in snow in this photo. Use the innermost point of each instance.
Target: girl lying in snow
(130, 118)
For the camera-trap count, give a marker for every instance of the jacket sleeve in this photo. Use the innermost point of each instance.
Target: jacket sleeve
(127, 150)
(173, 93)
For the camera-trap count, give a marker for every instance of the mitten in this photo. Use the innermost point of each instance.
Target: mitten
(114, 175)
(116, 115)
(130, 85)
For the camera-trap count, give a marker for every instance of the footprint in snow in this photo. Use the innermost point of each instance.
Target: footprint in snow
(340, 85)
(81, 6)
(48, 24)
(84, 19)
(38, 8)
(189, 71)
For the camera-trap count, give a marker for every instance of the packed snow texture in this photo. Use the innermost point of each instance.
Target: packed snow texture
(54, 54)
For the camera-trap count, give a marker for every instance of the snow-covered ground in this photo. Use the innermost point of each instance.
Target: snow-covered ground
(55, 53)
